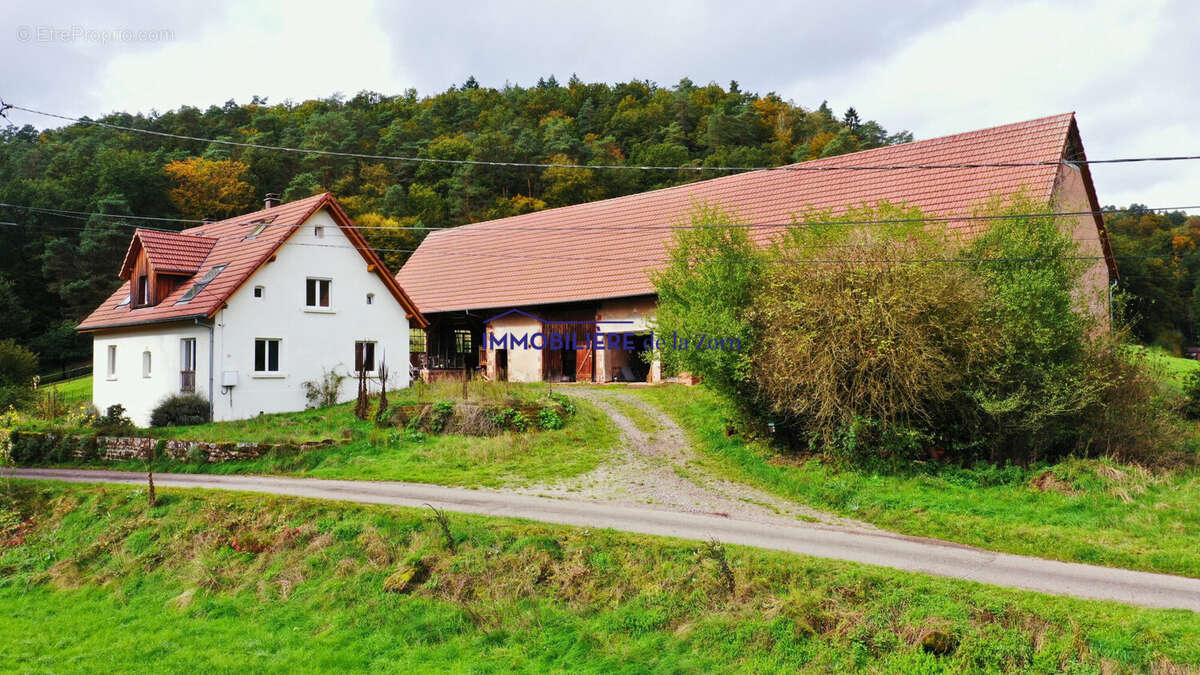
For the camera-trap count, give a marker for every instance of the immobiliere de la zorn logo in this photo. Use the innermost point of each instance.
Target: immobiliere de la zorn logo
(621, 337)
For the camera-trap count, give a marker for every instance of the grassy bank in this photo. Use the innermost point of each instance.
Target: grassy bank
(94, 580)
(366, 451)
(1089, 511)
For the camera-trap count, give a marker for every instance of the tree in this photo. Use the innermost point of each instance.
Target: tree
(706, 289)
(206, 188)
(16, 317)
(18, 365)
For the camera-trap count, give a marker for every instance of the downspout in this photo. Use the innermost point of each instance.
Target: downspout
(211, 409)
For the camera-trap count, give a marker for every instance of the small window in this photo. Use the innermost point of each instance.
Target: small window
(317, 292)
(364, 356)
(146, 363)
(143, 291)
(266, 355)
(112, 361)
(319, 232)
(258, 291)
(187, 365)
(370, 298)
(462, 341)
(416, 340)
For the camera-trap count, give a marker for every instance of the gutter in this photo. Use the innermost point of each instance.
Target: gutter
(209, 326)
(135, 324)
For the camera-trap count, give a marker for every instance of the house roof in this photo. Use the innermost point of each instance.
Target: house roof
(239, 246)
(169, 252)
(550, 256)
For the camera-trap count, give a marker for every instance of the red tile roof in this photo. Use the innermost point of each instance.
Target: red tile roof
(240, 255)
(543, 257)
(170, 252)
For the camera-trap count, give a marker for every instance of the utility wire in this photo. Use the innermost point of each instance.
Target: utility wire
(667, 258)
(557, 165)
(492, 228)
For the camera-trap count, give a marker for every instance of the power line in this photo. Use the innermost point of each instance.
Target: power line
(557, 165)
(67, 228)
(492, 229)
(667, 258)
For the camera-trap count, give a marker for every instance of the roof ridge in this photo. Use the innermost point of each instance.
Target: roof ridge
(742, 175)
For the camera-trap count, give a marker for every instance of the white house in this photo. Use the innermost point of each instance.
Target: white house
(245, 310)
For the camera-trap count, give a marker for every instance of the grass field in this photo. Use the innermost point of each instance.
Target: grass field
(95, 581)
(78, 390)
(1089, 511)
(1172, 370)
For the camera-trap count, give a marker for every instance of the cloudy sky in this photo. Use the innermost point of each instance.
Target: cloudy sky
(1128, 69)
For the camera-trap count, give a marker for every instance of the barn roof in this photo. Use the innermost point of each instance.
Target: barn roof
(608, 248)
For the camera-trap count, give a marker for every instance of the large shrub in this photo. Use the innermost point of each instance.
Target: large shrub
(180, 410)
(18, 365)
(898, 339)
(868, 330)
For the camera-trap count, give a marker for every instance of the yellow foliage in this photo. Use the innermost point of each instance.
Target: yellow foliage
(208, 188)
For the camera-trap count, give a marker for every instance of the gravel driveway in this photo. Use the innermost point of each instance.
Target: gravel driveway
(660, 467)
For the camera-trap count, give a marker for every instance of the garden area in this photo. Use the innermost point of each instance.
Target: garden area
(499, 434)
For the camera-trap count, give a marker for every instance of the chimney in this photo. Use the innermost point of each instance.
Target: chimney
(271, 200)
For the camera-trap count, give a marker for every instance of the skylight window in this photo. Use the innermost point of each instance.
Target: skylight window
(201, 283)
(260, 226)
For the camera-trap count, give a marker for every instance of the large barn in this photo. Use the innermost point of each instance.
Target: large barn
(585, 270)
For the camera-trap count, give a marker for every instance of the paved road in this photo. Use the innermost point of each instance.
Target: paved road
(871, 547)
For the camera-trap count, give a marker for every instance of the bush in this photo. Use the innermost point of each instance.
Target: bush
(324, 392)
(114, 422)
(18, 365)
(549, 419)
(898, 341)
(1191, 393)
(180, 410)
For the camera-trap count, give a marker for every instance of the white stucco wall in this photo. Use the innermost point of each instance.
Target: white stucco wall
(128, 387)
(311, 340)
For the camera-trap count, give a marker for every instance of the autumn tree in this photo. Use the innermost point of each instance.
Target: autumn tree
(207, 188)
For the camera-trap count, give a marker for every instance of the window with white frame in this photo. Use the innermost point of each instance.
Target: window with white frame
(319, 231)
(364, 356)
(258, 291)
(112, 362)
(146, 363)
(370, 298)
(266, 355)
(317, 293)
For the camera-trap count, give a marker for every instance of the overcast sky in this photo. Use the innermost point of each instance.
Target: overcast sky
(1128, 69)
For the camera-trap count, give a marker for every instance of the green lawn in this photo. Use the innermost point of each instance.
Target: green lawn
(366, 451)
(1082, 511)
(1172, 370)
(98, 582)
(78, 390)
